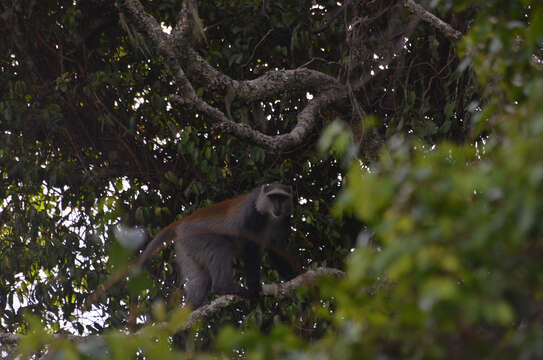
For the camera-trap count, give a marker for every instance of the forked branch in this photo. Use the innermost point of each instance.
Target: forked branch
(191, 71)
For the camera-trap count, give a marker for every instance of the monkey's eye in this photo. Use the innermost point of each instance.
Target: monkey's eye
(278, 197)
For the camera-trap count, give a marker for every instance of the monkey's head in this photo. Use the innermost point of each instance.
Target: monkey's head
(275, 201)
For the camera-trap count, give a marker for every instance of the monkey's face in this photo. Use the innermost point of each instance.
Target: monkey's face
(275, 201)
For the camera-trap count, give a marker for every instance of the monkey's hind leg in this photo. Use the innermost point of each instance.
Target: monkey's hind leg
(196, 280)
(220, 270)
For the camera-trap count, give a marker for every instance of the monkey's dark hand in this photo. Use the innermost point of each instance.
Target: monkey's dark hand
(246, 293)
(254, 292)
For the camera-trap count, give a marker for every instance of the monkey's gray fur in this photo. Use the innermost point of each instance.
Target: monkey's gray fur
(207, 241)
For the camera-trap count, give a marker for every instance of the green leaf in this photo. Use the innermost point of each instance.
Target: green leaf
(119, 256)
(137, 284)
(437, 289)
(535, 31)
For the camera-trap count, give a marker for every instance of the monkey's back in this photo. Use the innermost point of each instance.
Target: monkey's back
(226, 209)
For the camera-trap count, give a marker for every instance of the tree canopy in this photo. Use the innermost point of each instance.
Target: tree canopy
(410, 131)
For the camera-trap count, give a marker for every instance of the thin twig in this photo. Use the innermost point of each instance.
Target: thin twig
(256, 46)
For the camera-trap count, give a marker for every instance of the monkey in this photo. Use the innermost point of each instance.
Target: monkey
(207, 241)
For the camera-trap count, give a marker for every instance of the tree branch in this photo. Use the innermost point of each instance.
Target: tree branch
(276, 290)
(10, 339)
(270, 84)
(276, 82)
(433, 20)
(189, 69)
(307, 119)
(182, 30)
(146, 21)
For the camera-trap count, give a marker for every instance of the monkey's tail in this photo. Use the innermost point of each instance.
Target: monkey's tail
(159, 242)
(102, 288)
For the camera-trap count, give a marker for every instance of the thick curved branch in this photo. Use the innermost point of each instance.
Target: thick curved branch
(270, 84)
(276, 82)
(433, 20)
(146, 21)
(180, 56)
(267, 85)
(307, 120)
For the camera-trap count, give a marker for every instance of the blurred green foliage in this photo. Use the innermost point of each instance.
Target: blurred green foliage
(446, 265)
(452, 268)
